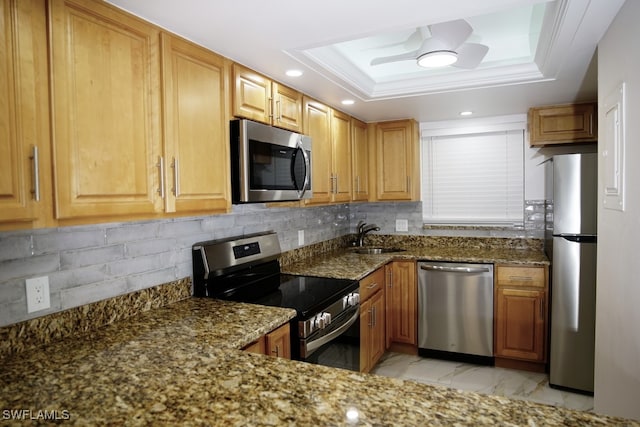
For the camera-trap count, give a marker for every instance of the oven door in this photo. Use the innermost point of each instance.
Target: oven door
(337, 345)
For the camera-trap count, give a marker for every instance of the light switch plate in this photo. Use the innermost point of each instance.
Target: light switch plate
(402, 225)
(37, 294)
(300, 237)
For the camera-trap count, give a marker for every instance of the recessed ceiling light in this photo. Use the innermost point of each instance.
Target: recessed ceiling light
(348, 102)
(293, 73)
(466, 113)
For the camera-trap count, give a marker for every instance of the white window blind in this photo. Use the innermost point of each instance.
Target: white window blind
(474, 178)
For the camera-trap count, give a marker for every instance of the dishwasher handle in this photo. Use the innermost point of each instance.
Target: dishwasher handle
(430, 267)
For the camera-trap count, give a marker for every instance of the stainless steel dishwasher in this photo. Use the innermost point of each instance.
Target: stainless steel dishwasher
(455, 311)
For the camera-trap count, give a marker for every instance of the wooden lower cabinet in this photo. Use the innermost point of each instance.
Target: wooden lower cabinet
(276, 343)
(521, 317)
(401, 302)
(372, 319)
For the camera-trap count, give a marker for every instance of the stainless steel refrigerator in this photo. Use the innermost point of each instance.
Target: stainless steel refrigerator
(571, 236)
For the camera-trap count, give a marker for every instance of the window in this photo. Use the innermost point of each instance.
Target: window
(473, 178)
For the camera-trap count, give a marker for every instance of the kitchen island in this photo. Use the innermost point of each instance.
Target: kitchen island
(182, 365)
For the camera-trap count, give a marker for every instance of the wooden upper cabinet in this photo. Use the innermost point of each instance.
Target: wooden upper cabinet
(397, 165)
(25, 160)
(287, 108)
(251, 95)
(106, 111)
(330, 132)
(317, 124)
(341, 156)
(256, 97)
(359, 160)
(196, 135)
(562, 124)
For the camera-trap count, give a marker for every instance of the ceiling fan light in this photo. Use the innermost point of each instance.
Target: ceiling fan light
(437, 58)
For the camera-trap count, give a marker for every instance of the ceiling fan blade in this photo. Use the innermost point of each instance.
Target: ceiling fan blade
(452, 33)
(470, 55)
(394, 58)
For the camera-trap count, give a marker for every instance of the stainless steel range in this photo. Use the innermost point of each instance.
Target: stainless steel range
(246, 269)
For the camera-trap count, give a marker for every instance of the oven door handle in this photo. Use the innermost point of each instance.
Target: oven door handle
(314, 345)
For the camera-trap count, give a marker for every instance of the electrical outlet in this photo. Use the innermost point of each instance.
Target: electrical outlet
(402, 225)
(37, 294)
(300, 237)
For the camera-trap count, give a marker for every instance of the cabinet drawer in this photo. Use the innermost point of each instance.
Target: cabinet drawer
(372, 283)
(521, 276)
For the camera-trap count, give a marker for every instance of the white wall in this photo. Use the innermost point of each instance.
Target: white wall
(617, 358)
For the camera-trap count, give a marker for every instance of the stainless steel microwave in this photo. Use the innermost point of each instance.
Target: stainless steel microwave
(268, 164)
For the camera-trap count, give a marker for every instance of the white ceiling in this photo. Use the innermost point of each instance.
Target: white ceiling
(541, 51)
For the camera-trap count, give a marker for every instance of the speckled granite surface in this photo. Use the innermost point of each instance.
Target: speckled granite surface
(346, 264)
(79, 320)
(179, 365)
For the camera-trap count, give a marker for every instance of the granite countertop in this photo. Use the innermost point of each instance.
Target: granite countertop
(346, 264)
(180, 365)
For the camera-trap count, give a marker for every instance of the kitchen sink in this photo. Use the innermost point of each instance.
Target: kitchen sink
(376, 250)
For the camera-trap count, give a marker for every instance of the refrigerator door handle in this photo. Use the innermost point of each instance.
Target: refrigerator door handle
(578, 238)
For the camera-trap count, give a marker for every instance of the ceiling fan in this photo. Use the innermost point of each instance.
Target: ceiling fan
(446, 46)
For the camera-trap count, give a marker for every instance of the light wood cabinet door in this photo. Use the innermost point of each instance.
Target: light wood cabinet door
(562, 124)
(521, 315)
(251, 95)
(378, 329)
(287, 108)
(520, 323)
(401, 302)
(106, 111)
(397, 163)
(278, 342)
(359, 161)
(258, 346)
(196, 138)
(366, 321)
(372, 331)
(341, 156)
(25, 161)
(258, 98)
(317, 125)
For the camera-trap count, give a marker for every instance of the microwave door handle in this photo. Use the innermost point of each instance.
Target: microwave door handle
(306, 169)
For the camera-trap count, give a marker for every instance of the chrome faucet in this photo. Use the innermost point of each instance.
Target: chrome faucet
(363, 229)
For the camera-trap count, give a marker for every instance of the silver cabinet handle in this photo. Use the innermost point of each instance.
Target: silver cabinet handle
(373, 285)
(390, 278)
(429, 267)
(408, 184)
(176, 177)
(160, 166)
(373, 310)
(278, 110)
(36, 173)
(276, 351)
(521, 278)
(270, 105)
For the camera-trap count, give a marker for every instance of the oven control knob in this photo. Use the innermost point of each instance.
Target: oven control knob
(322, 320)
(353, 299)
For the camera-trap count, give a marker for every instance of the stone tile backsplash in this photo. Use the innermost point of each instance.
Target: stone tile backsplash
(86, 264)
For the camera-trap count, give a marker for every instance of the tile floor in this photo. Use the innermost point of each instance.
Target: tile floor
(482, 379)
